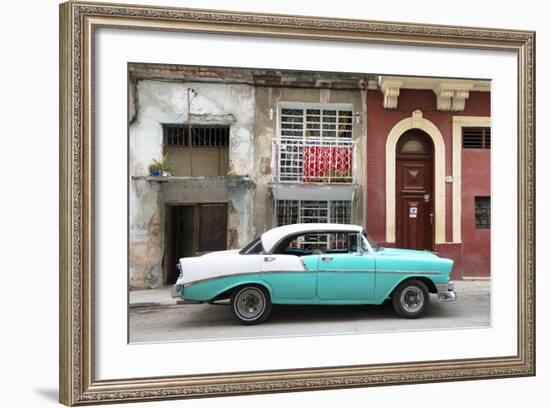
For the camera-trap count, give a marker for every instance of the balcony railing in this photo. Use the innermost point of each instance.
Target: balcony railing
(314, 160)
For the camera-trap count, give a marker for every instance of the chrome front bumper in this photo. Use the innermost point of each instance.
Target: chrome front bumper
(446, 292)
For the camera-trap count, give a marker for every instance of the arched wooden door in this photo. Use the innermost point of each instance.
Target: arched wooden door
(414, 190)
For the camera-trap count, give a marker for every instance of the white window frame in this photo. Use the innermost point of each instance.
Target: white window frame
(275, 161)
(314, 105)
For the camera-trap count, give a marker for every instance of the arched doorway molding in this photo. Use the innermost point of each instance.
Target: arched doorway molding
(416, 121)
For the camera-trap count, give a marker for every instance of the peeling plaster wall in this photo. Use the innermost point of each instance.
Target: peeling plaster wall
(158, 102)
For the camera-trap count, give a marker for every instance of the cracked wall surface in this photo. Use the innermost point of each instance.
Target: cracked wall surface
(158, 102)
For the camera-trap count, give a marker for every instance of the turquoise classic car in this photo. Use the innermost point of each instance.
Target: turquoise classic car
(315, 264)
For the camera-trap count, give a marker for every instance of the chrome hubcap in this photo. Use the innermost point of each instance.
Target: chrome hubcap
(412, 299)
(250, 303)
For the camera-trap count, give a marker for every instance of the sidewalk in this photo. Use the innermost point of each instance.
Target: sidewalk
(152, 297)
(161, 296)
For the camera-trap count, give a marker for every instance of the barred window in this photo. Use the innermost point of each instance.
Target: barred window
(308, 211)
(483, 212)
(202, 135)
(197, 150)
(320, 122)
(476, 137)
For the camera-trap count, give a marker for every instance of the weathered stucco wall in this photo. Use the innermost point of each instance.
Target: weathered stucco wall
(158, 102)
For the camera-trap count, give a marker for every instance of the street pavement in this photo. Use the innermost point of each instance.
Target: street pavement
(155, 317)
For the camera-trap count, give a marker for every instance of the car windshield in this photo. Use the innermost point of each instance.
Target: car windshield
(371, 242)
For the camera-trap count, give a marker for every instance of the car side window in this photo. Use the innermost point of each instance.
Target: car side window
(315, 243)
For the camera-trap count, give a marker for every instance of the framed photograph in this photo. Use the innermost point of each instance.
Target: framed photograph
(255, 203)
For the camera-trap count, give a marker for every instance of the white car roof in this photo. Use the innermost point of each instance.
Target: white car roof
(273, 236)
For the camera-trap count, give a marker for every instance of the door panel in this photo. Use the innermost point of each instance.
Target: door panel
(347, 276)
(287, 276)
(182, 232)
(415, 215)
(414, 203)
(212, 227)
(414, 175)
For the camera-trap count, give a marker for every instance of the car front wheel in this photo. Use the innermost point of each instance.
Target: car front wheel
(250, 304)
(410, 299)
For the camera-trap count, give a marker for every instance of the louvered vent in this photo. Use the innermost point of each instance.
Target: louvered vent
(476, 138)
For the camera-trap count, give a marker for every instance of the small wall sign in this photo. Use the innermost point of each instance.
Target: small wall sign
(412, 212)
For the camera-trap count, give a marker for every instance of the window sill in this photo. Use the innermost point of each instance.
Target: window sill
(231, 181)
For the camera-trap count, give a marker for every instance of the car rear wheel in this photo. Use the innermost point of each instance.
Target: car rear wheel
(410, 299)
(250, 304)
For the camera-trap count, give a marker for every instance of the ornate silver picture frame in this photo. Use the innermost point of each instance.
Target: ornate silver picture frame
(79, 22)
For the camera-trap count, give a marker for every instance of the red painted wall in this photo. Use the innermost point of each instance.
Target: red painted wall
(476, 181)
(379, 123)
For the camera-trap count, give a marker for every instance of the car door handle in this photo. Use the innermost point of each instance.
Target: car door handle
(269, 259)
(326, 258)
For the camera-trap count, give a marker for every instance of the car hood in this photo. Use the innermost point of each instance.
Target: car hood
(409, 253)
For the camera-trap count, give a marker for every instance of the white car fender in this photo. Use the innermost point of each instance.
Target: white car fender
(213, 265)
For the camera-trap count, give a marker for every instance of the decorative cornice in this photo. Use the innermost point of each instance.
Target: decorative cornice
(390, 89)
(459, 100)
(451, 97)
(444, 99)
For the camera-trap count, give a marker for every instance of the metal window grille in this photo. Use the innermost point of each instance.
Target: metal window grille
(476, 137)
(321, 123)
(287, 212)
(315, 144)
(306, 211)
(340, 212)
(177, 135)
(314, 160)
(483, 212)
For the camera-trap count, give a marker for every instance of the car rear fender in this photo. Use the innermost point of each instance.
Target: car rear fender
(228, 289)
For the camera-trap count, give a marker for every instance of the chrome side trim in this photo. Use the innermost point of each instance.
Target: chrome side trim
(310, 271)
(241, 274)
(347, 270)
(412, 272)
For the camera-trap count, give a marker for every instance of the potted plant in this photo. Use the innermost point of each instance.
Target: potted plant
(153, 169)
(163, 166)
(337, 176)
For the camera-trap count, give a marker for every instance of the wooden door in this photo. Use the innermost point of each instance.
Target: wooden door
(414, 178)
(194, 229)
(181, 242)
(212, 234)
